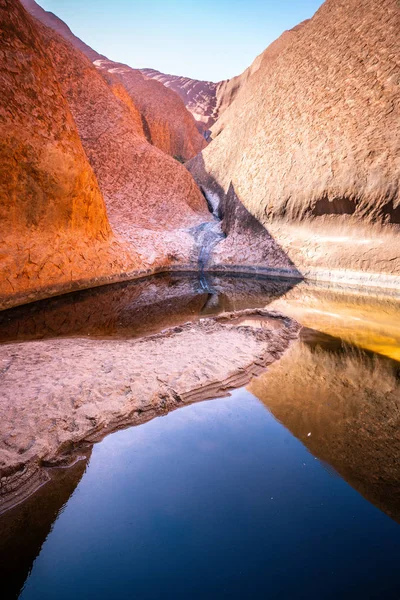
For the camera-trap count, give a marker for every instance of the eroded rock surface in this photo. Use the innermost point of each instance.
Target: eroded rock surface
(58, 394)
(167, 124)
(142, 186)
(200, 97)
(313, 137)
(53, 223)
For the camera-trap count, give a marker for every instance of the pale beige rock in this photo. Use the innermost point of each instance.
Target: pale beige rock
(314, 135)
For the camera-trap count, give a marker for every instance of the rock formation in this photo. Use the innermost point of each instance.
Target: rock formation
(51, 20)
(200, 97)
(142, 186)
(312, 147)
(55, 232)
(53, 222)
(206, 100)
(166, 122)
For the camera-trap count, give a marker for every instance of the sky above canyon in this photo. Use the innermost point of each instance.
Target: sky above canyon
(211, 40)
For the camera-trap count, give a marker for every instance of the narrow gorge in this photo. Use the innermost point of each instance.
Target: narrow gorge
(199, 308)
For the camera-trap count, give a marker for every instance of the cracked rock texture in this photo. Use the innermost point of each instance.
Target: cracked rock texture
(313, 136)
(53, 222)
(167, 124)
(71, 141)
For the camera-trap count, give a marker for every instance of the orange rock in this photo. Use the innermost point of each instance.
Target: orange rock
(142, 186)
(54, 231)
(167, 124)
(53, 223)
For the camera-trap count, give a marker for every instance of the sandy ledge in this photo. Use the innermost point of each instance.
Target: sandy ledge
(61, 395)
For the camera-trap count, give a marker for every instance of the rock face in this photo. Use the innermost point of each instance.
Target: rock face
(53, 222)
(167, 124)
(51, 20)
(206, 100)
(313, 138)
(200, 97)
(142, 186)
(55, 234)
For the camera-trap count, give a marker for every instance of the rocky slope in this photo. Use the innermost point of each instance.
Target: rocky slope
(200, 97)
(166, 122)
(142, 186)
(206, 100)
(58, 168)
(53, 222)
(318, 127)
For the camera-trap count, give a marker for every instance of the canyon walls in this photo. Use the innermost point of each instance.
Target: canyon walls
(200, 97)
(167, 123)
(310, 144)
(72, 150)
(142, 186)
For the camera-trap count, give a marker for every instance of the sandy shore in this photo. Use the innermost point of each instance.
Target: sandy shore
(61, 395)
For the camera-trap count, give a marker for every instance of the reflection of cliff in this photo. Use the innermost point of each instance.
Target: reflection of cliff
(136, 308)
(350, 404)
(367, 321)
(24, 529)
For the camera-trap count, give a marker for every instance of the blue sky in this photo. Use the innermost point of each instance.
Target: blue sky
(207, 39)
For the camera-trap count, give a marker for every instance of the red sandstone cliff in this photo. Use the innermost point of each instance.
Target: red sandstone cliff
(313, 141)
(55, 234)
(167, 123)
(142, 186)
(53, 223)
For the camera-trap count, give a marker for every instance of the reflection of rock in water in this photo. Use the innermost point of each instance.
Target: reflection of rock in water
(24, 529)
(350, 403)
(135, 308)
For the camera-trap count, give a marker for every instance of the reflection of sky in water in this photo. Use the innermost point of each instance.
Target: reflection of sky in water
(215, 500)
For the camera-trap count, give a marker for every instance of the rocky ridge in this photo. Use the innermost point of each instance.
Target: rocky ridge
(166, 122)
(71, 139)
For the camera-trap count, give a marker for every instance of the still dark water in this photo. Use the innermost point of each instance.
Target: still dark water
(287, 489)
(216, 500)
